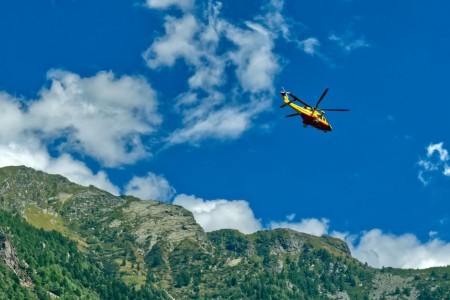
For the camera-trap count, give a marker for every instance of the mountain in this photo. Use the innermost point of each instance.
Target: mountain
(60, 239)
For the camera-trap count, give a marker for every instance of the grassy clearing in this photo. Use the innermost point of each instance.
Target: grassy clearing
(130, 274)
(134, 280)
(51, 221)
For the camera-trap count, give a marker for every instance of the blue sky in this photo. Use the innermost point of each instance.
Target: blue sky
(179, 101)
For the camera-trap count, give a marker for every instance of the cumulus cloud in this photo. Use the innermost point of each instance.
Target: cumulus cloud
(102, 116)
(35, 156)
(220, 214)
(248, 56)
(151, 186)
(435, 162)
(380, 249)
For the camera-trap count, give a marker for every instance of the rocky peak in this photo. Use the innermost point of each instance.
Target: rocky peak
(151, 221)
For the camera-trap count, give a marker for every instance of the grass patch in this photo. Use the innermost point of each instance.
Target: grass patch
(134, 280)
(131, 274)
(50, 221)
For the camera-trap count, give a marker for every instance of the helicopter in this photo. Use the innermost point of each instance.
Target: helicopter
(311, 115)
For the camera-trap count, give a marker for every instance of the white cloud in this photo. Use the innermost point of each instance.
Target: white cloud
(380, 249)
(100, 116)
(223, 124)
(433, 233)
(164, 4)
(34, 156)
(311, 226)
(12, 122)
(309, 46)
(446, 170)
(347, 42)
(256, 64)
(78, 172)
(220, 214)
(274, 18)
(432, 164)
(290, 217)
(216, 52)
(152, 186)
(439, 148)
(177, 43)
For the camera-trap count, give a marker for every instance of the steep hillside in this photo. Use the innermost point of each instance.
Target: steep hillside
(120, 230)
(73, 241)
(50, 266)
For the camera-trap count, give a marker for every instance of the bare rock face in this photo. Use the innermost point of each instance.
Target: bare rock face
(8, 253)
(153, 220)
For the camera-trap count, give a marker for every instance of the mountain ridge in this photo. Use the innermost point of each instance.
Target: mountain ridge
(159, 248)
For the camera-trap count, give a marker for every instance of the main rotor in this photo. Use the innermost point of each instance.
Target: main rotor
(313, 108)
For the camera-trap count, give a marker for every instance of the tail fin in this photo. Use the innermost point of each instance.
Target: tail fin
(285, 96)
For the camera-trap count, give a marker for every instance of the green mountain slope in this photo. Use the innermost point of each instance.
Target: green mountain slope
(78, 242)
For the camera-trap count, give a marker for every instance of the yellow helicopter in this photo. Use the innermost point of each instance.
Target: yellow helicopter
(311, 115)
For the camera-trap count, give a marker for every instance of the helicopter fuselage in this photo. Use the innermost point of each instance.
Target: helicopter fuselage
(309, 115)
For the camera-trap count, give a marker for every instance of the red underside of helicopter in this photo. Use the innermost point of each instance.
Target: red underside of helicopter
(316, 122)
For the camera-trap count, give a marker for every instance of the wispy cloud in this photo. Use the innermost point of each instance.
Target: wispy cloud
(178, 43)
(226, 123)
(309, 46)
(246, 66)
(164, 4)
(435, 162)
(347, 41)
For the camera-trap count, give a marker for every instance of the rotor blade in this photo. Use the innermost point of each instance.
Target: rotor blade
(300, 100)
(335, 109)
(321, 97)
(292, 115)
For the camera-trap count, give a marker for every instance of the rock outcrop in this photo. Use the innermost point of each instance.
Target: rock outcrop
(8, 253)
